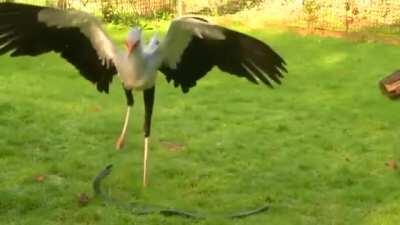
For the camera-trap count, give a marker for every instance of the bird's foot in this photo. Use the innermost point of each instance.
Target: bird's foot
(119, 145)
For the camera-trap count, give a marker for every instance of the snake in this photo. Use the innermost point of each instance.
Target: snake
(138, 208)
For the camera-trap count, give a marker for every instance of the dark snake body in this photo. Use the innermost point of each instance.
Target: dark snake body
(138, 209)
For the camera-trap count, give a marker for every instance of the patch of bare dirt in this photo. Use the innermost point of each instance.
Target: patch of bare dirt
(352, 36)
(83, 199)
(172, 146)
(392, 164)
(40, 178)
(361, 36)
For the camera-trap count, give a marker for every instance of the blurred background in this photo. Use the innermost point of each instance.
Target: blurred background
(381, 16)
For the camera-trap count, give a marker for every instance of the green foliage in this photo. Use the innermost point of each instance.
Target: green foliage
(315, 147)
(50, 3)
(108, 11)
(125, 19)
(161, 14)
(311, 9)
(234, 6)
(218, 7)
(112, 15)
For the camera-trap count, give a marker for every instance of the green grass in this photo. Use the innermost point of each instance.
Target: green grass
(315, 147)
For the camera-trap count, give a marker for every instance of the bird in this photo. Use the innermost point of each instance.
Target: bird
(191, 47)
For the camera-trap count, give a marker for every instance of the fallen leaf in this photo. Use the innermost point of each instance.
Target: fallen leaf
(172, 146)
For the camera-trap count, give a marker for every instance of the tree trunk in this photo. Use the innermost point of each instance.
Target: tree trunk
(62, 4)
(390, 85)
(180, 7)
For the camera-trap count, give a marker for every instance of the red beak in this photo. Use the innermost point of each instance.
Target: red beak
(129, 46)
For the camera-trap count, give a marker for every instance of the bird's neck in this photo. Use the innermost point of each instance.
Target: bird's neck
(135, 70)
(137, 54)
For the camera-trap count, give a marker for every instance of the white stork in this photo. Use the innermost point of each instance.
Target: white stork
(190, 49)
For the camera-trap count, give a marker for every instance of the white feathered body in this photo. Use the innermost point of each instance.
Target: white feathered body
(138, 71)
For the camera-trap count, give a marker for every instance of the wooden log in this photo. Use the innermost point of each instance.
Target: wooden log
(390, 85)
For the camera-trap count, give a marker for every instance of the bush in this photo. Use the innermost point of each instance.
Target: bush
(219, 7)
(112, 15)
(311, 10)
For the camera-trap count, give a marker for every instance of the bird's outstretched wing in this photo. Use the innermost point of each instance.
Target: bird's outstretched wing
(193, 46)
(77, 36)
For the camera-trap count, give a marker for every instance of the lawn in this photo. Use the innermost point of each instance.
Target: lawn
(316, 148)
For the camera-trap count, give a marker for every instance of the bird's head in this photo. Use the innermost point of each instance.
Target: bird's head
(133, 39)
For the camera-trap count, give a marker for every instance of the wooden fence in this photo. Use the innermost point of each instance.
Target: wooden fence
(139, 7)
(343, 15)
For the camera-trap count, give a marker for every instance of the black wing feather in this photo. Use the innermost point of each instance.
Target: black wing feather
(229, 55)
(22, 34)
